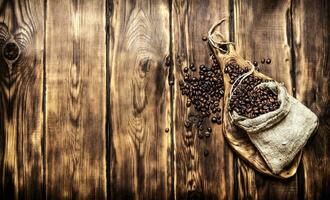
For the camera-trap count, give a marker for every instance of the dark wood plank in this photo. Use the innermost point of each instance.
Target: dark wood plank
(197, 176)
(311, 28)
(21, 89)
(262, 31)
(75, 100)
(139, 100)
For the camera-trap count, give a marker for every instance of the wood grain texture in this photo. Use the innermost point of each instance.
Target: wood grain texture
(262, 30)
(197, 176)
(75, 100)
(21, 86)
(140, 154)
(311, 33)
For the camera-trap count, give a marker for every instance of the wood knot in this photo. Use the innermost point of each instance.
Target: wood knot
(10, 51)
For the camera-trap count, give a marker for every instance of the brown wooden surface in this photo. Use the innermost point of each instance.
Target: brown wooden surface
(311, 43)
(84, 108)
(75, 146)
(21, 91)
(140, 162)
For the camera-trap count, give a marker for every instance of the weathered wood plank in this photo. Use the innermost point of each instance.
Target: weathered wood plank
(196, 175)
(262, 31)
(21, 89)
(311, 29)
(140, 165)
(75, 100)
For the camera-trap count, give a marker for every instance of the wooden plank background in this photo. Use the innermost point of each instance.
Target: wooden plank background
(91, 108)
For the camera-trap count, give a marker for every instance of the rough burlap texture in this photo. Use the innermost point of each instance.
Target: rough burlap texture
(279, 135)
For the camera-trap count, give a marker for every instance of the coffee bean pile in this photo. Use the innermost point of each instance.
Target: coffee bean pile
(247, 99)
(204, 88)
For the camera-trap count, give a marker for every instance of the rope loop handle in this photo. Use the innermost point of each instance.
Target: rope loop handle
(214, 43)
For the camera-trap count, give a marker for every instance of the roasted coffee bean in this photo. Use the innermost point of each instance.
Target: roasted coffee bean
(247, 99)
(206, 152)
(200, 134)
(167, 130)
(207, 134)
(188, 124)
(204, 38)
(268, 61)
(255, 63)
(263, 61)
(204, 91)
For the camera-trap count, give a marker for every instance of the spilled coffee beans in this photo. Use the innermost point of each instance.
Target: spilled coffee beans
(204, 91)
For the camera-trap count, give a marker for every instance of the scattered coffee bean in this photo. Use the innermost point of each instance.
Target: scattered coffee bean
(168, 61)
(255, 63)
(207, 134)
(206, 152)
(204, 90)
(204, 38)
(200, 135)
(268, 61)
(263, 61)
(167, 130)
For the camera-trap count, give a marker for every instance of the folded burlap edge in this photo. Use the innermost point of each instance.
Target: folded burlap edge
(269, 119)
(309, 132)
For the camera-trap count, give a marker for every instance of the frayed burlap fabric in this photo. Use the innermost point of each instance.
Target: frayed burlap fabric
(279, 135)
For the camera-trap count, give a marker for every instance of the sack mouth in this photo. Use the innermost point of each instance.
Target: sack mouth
(267, 120)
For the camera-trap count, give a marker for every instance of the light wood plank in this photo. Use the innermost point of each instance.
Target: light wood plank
(197, 176)
(262, 30)
(76, 100)
(21, 97)
(140, 155)
(311, 29)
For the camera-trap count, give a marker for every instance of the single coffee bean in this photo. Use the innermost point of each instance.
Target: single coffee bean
(191, 65)
(206, 152)
(207, 134)
(268, 61)
(167, 130)
(204, 38)
(263, 61)
(200, 135)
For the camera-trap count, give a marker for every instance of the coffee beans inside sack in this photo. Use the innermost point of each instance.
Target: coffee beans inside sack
(247, 99)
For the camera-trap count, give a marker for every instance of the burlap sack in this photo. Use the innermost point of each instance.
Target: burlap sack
(279, 135)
